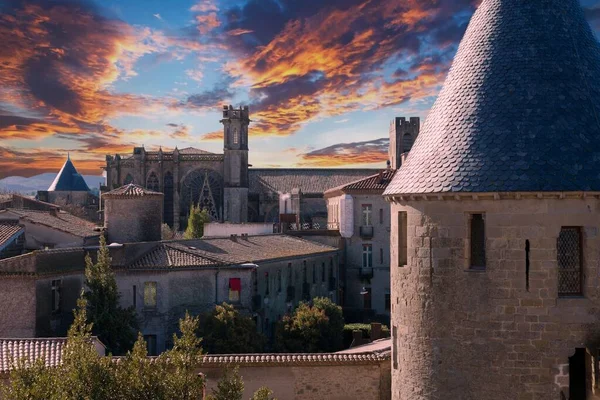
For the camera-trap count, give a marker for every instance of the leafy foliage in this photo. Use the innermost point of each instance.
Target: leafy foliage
(195, 227)
(84, 374)
(315, 328)
(114, 325)
(225, 331)
(264, 393)
(229, 387)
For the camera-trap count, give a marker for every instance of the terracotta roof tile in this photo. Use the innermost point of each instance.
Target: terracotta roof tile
(376, 183)
(193, 151)
(12, 350)
(519, 109)
(170, 255)
(131, 190)
(8, 231)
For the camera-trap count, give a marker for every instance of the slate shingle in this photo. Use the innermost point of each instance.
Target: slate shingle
(520, 109)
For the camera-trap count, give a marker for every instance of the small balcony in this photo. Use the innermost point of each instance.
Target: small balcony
(366, 273)
(366, 231)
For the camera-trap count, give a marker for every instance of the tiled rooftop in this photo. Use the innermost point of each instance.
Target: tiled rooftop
(175, 254)
(375, 183)
(12, 350)
(518, 111)
(193, 151)
(131, 190)
(172, 255)
(59, 220)
(8, 230)
(309, 180)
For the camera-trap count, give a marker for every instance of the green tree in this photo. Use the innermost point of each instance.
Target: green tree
(83, 374)
(229, 387)
(264, 393)
(115, 326)
(182, 361)
(195, 227)
(315, 328)
(86, 375)
(225, 331)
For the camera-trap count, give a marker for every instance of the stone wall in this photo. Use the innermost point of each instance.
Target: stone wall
(215, 229)
(17, 294)
(482, 334)
(313, 382)
(133, 219)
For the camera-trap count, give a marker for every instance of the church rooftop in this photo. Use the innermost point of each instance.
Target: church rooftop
(520, 109)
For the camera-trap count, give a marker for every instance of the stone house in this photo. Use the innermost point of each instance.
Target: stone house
(363, 218)
(265, 276)
(51, 229)
(495, 216)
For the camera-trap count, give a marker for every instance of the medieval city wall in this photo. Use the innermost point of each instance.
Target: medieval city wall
(483, 332)
(312, 382)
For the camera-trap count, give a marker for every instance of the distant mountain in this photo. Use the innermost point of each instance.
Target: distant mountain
(40, 182)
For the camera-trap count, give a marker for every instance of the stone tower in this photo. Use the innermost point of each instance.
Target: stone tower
(403, 134)
(495, 216)
(235, 134)
(132, 214)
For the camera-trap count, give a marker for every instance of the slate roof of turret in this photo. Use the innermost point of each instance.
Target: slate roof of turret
(69, 180)
(520, 109)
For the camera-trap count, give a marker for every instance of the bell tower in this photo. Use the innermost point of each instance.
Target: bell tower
(235, 169)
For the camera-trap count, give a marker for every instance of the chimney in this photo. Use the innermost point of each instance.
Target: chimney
(375, 331)
(233, 237)
(380, 177)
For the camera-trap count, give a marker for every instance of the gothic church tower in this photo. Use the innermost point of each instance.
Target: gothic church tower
(235, 135)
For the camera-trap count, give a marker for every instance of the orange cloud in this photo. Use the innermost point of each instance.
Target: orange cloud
(343, 154)
(207, 23)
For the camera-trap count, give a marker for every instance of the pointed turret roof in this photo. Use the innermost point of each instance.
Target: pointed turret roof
(68, 179)
(520, 109)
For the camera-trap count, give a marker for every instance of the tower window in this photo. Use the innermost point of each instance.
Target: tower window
(236, 136)
(569, 254)
(402, 238)
(477, 231)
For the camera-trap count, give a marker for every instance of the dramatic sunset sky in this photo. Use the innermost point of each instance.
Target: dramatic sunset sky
(322, 78)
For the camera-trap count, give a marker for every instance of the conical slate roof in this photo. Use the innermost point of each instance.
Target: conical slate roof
(69, 180)
(520, 109)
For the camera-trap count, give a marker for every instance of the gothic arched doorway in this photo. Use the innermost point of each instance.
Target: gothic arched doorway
(204, 188)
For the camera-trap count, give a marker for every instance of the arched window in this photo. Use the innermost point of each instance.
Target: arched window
(407, 142)
(152, 182)
(128, 179)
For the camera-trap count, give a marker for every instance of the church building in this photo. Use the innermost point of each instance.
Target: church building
(227, 186)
